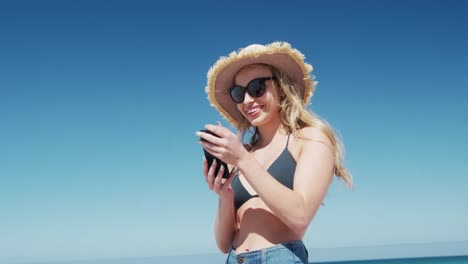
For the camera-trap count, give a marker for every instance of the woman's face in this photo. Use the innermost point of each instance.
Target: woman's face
(263, 109)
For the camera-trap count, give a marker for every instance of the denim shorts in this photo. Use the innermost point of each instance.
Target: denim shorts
(293, 252)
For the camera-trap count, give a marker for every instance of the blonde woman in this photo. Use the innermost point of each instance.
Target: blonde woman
(281, 177)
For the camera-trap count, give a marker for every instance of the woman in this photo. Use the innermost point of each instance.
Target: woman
(281, 177)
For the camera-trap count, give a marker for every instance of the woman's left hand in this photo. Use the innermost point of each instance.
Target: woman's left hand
(227, 146)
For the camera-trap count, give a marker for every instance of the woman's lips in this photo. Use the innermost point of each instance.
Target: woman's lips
(254, 111)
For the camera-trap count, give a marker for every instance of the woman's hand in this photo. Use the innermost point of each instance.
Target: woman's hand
(216, 183)
(226, 147)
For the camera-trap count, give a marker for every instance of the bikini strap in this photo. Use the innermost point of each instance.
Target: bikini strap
(287, 141)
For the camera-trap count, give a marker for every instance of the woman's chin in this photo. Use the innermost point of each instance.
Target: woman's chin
(257, 121)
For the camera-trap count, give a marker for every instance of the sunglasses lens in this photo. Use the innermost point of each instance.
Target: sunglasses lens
(256, 88)
(237, 94)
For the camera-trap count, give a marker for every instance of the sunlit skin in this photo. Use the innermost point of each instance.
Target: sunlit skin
(279, 214)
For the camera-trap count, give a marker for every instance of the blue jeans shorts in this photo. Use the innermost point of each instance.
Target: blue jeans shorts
(293, 252)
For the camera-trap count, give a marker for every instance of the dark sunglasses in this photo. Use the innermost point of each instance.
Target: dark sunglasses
(256, 88)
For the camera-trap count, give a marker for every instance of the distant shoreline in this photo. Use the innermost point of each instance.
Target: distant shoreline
(328, 255)
(395, 251)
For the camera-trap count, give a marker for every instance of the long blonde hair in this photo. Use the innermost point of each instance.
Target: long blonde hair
(294, 117)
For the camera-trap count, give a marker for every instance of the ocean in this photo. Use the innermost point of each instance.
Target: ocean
(423, 253)
(426, 260)
(194, 259)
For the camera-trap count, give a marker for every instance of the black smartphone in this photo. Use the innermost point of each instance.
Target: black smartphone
(209, 158)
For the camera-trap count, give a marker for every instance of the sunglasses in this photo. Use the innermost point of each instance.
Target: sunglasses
(256, 88)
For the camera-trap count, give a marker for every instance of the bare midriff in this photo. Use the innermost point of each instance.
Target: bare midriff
(258, 227)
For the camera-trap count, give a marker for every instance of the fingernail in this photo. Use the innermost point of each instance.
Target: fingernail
(197, 133)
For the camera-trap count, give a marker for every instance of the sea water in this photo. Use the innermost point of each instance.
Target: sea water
(219, 259)
(426, 260)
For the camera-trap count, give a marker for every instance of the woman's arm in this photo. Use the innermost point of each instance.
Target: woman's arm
(314, 173)
(224, 226)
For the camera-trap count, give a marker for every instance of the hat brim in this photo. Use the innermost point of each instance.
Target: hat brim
(279, 55)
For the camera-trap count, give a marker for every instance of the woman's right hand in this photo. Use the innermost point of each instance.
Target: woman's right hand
(217, 184)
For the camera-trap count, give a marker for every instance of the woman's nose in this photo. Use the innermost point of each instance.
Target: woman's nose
(248, 98)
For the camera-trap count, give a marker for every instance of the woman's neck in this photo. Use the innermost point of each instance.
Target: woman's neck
(268, 132)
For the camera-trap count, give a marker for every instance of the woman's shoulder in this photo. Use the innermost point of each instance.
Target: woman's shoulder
(310, 135)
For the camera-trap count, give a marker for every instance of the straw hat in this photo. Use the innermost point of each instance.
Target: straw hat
(278, 54)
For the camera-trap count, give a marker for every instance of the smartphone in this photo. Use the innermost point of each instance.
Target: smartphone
(209, 158)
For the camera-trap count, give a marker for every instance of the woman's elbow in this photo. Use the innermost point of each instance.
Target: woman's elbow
(299, 224)
(299, 221)
(224, 247)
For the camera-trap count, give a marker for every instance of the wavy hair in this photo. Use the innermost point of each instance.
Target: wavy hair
(294, 117)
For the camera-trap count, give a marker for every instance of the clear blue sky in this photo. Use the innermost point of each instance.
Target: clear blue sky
(100, 100)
